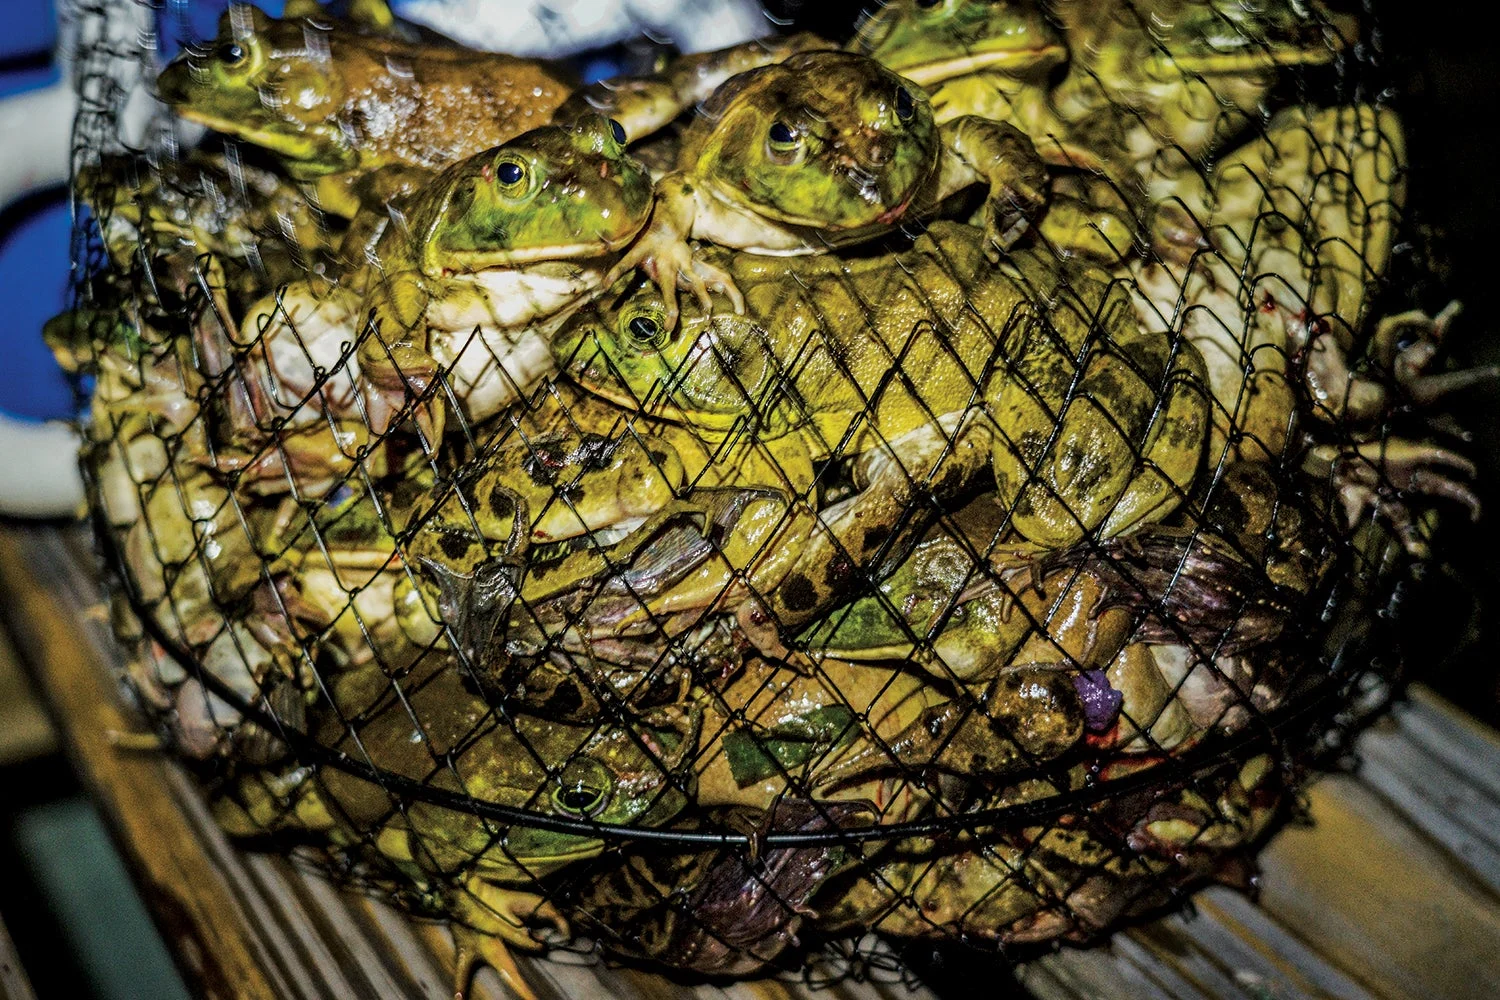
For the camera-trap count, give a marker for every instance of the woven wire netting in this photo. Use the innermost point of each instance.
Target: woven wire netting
(995, 603)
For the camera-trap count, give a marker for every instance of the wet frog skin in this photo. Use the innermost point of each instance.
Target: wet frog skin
(441, 734)
(336, 104)
(826, 149)
(491, 249)
(1024, 369)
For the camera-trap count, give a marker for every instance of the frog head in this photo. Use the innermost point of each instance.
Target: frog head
(712, 370)
(826, 139)
(556, 192)
(928, 41)
(1191, 39)
(273, 83)
(611, 774)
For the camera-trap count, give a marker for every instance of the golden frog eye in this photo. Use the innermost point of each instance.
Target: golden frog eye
(232, 54)
(583, 788)
(510, 176)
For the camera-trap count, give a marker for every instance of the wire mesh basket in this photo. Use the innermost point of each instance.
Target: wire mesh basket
(989, 572)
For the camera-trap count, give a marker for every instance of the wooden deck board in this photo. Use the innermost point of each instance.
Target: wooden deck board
(1392, 892)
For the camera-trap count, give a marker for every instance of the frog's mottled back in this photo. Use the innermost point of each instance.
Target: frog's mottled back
(928, 42)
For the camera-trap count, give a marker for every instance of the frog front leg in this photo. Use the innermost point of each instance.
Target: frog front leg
(981, 151)
(397, 374)
(662, 251)
(1373, 478)
(490, 920)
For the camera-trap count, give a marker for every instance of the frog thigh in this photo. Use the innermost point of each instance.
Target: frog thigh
(1173, 448)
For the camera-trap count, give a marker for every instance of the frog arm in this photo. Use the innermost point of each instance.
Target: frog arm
(396, 371)
(981, 151)
(663, 252)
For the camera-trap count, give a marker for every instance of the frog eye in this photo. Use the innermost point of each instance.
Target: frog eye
(906, 105)
(510, 175)
(647, 331)
(231, 54)
(783, 141)
(583, 788)
(618, 131)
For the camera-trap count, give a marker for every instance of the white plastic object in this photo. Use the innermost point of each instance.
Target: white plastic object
(558, 28)
(39, 474)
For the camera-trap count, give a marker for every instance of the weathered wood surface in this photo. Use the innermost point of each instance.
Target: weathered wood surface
(13, 982)
(1392, 892)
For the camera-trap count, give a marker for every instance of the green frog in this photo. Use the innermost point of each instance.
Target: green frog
(1038, 374)
(440, 734)
(454, 306)
(337, 104)
(824, 150)
(1179, 75)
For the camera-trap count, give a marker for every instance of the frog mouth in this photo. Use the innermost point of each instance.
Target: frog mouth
(974, 62)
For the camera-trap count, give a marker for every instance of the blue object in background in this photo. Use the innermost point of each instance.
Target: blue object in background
(34, 237)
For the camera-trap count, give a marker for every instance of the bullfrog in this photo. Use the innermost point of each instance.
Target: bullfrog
(260, 227)
(1175, 75)
(924, 369)
(771, 731)
(824, 150)
(440, 734)
(1300, 224)
(337, 104)
(1073, 877)
(491, 248)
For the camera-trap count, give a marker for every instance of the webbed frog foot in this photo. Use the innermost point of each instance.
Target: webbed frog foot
(491, 921)
(1373, 478)
(665, 255)
(1407, 344)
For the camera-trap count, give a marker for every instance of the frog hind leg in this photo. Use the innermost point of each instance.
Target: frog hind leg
(1173, 449)
(490, 921)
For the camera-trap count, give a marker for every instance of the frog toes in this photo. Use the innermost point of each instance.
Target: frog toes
(474, 949)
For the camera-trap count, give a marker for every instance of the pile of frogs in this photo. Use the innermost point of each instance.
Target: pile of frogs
(801, 490)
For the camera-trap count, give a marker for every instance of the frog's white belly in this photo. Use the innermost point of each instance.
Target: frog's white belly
(496, 343)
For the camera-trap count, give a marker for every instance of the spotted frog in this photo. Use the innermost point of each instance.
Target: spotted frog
(454, 306)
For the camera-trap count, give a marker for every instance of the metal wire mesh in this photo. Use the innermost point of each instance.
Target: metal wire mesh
(932, 596)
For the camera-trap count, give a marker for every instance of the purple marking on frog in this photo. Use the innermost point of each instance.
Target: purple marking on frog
(1101, 703)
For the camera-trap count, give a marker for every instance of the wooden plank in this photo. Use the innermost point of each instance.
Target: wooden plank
(200, 919)
(13, 982)
(25, 731)
(1387, 894)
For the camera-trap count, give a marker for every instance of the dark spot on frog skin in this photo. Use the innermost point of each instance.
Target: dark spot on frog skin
(797, 593)
(838, 570)
(455, 544)
(544, 463)
(502, 504)
(875, 537)
(565, 703)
